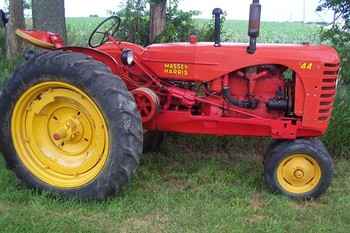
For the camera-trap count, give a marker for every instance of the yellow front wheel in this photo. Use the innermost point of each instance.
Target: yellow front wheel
(301, 169)
(71, 126)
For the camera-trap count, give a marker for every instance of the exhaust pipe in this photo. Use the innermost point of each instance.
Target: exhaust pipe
(254, 25)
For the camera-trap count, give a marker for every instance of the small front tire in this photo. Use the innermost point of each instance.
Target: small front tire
(301, 169)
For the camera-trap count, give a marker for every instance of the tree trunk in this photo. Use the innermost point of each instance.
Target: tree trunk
(13, 43)
(49, 15)
(157, 18)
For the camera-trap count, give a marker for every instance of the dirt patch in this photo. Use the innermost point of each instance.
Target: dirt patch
(4, 207)
(301, 205)
(256, 218)
(257, 204)
(257, 201)
(176, 183)
(151, 223)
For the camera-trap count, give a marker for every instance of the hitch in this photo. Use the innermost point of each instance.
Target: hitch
(254, 25)
(217, 12)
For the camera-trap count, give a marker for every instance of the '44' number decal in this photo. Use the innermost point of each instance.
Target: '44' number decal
(306, 66)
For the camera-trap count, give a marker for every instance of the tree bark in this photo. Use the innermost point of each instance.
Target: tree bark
(49, 15)
(157, 18)
(14, 45)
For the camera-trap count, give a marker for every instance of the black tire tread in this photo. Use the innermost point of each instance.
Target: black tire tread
(315, 148)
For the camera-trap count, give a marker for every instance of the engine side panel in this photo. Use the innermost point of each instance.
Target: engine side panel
(313, 96)
(204, 62)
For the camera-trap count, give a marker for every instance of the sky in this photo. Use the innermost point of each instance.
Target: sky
(273, 10)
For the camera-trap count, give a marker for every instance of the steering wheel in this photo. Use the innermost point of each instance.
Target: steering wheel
(106, 28)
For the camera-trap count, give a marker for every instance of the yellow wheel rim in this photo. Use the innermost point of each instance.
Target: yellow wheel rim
(298, 174)
(60, 134)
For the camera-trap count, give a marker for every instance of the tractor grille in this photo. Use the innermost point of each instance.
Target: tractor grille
(328, 91)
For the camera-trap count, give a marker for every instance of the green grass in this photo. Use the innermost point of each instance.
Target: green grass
(195, 184)
(187, 187)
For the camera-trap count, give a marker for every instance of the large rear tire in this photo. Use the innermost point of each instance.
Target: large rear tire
(69, 126)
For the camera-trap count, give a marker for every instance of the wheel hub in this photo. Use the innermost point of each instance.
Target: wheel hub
(70, 130)
(298, 173)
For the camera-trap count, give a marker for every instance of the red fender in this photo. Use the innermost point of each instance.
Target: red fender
(99, 56)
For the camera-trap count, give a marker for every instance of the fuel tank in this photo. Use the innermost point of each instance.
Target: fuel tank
(204, 62)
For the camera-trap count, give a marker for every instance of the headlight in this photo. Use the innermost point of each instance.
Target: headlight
(127, 57)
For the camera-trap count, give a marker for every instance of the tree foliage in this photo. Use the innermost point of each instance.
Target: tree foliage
(180, 24)
(136, 20)
(341, 9)
(339, 32)
(27, 4)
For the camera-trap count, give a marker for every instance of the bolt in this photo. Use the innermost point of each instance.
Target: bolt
(299, 174)
(62, 133)
(56, 136)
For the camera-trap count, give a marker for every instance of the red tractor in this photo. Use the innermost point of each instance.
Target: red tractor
(75, 121)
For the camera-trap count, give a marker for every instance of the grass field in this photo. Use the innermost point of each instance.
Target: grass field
(194, 184)
(187, 187)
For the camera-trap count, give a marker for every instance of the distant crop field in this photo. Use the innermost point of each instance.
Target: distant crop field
(79, 30)
(271, 32)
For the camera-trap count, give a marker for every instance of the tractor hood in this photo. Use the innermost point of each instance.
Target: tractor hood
(203, 61)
